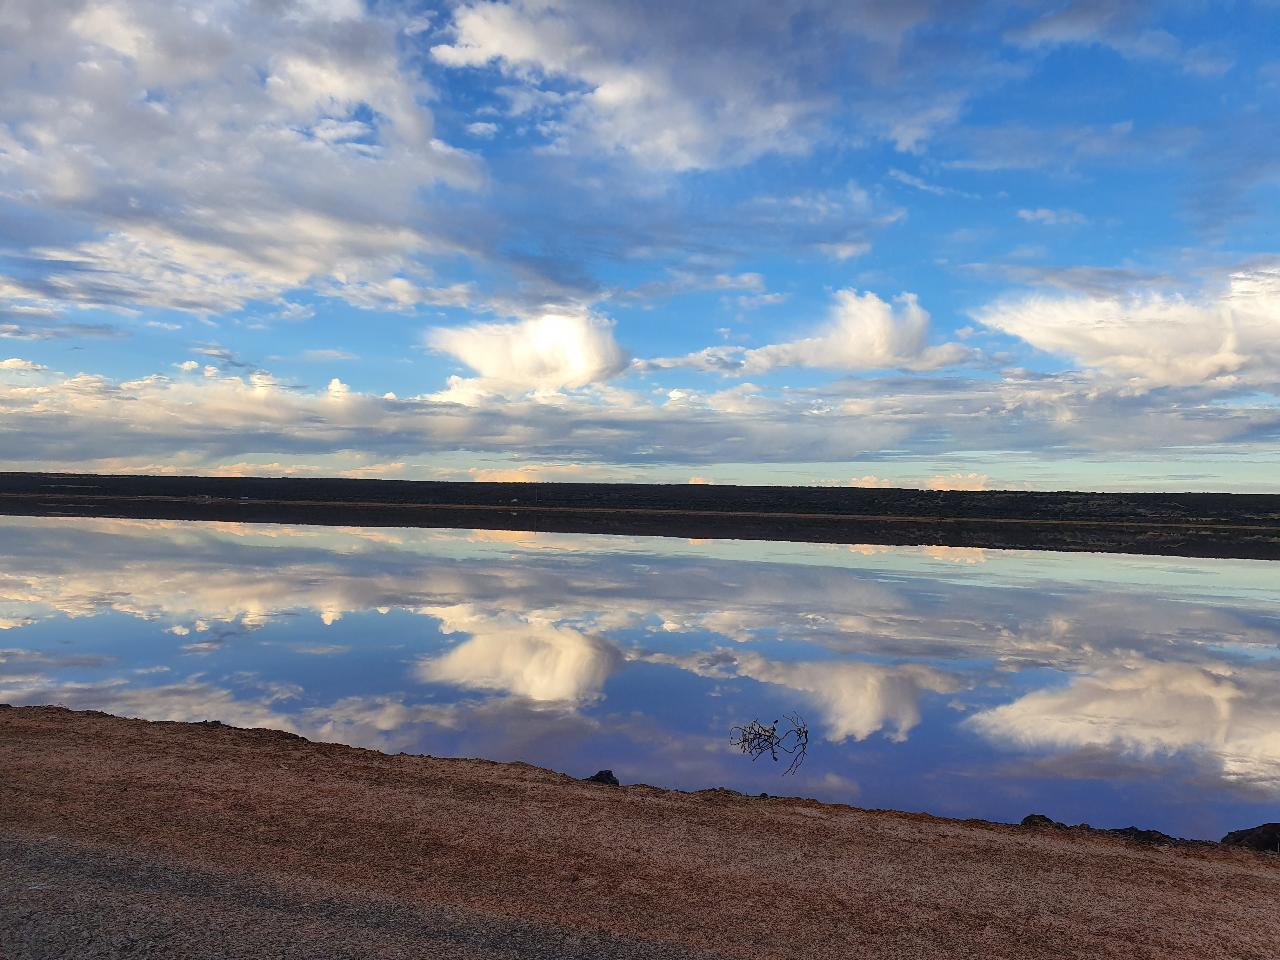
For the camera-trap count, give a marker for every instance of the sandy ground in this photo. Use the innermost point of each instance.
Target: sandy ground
(126, 838)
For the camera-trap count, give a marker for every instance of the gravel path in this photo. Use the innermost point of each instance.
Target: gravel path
(196, 840)
(62, 901)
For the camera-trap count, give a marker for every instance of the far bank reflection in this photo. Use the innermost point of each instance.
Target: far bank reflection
(960, 681)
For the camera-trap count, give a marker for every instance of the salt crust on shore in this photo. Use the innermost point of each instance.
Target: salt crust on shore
(714, 871)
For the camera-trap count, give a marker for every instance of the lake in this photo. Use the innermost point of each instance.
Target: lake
(959, 681)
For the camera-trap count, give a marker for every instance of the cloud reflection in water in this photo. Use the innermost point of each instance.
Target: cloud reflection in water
(959, 683)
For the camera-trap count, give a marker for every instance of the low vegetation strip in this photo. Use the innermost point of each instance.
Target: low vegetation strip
(1204, 525)
(714, 872)
(1165, 509)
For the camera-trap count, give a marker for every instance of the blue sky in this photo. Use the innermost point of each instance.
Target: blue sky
(910, 243)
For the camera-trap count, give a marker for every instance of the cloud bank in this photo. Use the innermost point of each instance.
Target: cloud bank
(1223, 340)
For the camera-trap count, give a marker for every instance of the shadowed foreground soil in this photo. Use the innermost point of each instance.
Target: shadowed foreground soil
(127, 838)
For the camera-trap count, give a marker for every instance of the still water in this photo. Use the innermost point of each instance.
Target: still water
(962, 682)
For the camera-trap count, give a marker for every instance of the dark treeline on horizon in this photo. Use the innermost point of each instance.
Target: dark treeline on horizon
(1245, 526)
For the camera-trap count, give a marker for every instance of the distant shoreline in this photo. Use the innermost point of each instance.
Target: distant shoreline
(1242, 526)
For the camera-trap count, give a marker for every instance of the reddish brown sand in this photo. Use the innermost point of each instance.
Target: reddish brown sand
(714, 871)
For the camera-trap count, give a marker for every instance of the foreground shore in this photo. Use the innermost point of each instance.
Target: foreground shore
(200, 840)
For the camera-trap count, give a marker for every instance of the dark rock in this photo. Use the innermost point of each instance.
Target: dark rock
(1263, 837)
(1138, 835)
(603, 776)
(1040, 820)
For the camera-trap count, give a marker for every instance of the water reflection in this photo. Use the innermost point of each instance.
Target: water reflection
(964, 682)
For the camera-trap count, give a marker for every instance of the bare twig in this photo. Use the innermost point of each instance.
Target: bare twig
(756, 739)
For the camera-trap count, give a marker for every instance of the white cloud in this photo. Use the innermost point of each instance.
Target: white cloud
(1067, 147)
(550, 352)
(910, 125)
(1125, 28)
(665, 88)
(845, 250)
(251, 421)
(20, 365)
(758, 300)
(483, 130)
(1228, 339)
(919, 183)
(863, 333)
(1053, 218)
(196, 157)
(868, 481)
(960, 481)
(327, 354)
(543, 473)
(645, 105)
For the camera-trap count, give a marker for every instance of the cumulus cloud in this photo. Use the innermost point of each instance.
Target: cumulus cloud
(1225, 339)
(550, 352)
(863, 332)
(197, 158)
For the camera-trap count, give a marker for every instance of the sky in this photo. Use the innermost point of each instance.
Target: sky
(932, 244)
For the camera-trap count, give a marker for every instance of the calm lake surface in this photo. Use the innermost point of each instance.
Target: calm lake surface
(962, 682)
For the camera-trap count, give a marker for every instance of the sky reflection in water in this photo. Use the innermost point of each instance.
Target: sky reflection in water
(959, 681)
